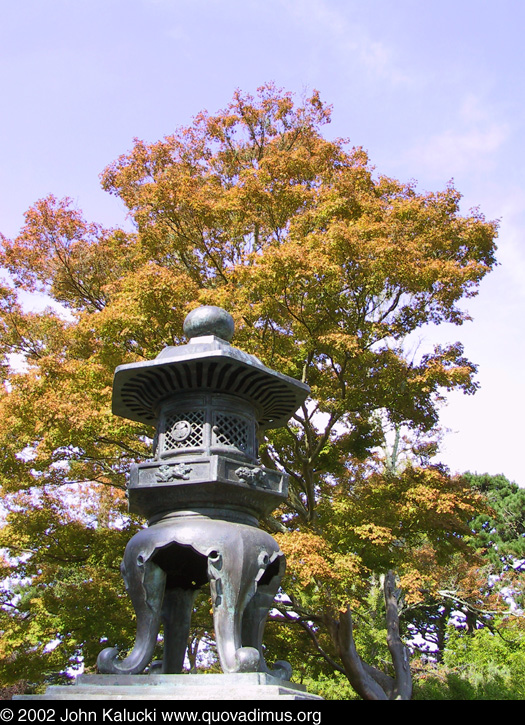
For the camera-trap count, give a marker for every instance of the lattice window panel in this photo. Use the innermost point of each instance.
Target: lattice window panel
(230, 430)
(184, 430)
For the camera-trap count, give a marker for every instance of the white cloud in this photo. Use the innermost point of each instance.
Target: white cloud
(350, 41)
(470, 145)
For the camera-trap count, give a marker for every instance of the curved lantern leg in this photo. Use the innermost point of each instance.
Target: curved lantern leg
(145, 582)
(176, 617)
(234, 569)
(256, 613)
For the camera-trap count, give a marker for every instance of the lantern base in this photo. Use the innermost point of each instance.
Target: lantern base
(166, 564)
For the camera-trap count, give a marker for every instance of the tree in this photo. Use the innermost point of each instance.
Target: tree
(500, 532)
(327, 269)
(473, 625)
(489, 595)
(483, 665)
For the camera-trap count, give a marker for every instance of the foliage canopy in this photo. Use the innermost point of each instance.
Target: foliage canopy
(328, 269)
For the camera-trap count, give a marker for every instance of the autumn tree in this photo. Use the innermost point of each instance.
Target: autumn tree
(328, 269)
(488, 594)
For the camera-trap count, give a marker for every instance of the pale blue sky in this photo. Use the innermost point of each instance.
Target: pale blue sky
(434, 90)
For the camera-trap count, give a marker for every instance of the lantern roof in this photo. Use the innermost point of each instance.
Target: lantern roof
(207, 363)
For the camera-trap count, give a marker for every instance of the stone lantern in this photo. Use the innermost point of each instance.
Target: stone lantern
(203, 493)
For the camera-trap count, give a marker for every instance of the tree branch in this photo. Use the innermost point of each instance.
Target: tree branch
(357, 673)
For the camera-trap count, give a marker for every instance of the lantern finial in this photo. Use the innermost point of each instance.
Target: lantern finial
(209, 320)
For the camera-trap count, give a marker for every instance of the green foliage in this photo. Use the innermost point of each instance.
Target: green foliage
(64, 585)
(500, 532)
(335, 687)
(482, 666)
(486, 655)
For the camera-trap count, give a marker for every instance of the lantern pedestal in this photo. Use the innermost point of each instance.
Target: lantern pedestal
(252, 686)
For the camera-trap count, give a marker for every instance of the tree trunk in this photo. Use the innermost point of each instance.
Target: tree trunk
(398, 651)
(369, 682)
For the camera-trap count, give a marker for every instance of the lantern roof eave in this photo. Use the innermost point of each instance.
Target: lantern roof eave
(205, 363)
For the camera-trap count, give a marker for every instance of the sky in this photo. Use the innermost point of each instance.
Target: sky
(433, 90)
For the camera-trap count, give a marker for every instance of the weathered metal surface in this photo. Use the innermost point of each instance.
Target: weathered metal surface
(213, 482)
(206, 363)
(203, 493)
